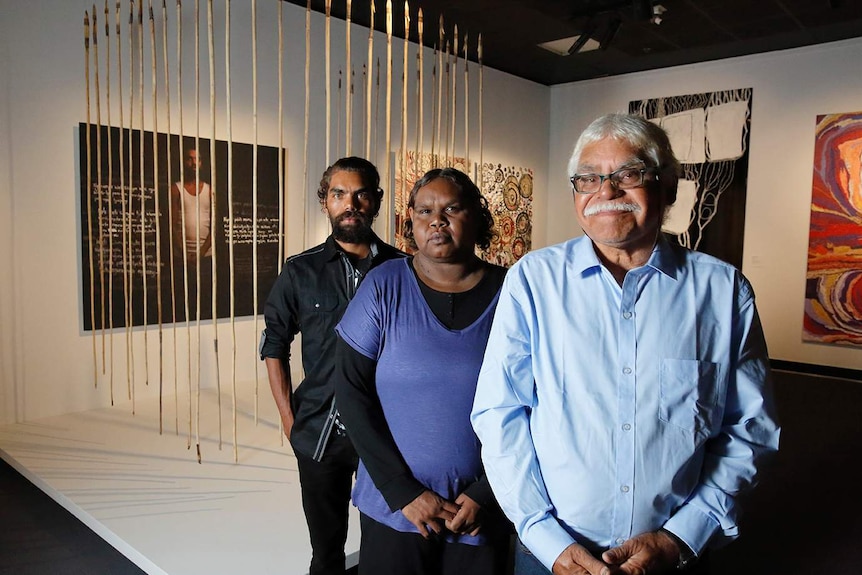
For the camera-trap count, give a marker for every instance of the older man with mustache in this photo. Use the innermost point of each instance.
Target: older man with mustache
(625, 397)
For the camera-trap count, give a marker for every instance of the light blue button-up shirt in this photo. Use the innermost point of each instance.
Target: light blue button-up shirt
(605, 411)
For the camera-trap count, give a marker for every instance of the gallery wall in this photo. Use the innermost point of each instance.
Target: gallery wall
(790, 88)
(46, 360)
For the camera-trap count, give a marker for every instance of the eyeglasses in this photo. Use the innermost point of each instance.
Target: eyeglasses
(623, 179)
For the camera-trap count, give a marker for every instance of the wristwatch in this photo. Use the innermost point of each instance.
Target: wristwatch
(687, 557)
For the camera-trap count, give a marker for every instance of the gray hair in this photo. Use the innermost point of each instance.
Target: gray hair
(644, 136)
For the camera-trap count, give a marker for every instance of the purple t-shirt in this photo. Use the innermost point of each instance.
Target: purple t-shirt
(426, 379)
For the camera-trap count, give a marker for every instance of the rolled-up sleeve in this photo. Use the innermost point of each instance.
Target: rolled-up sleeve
(280, 317)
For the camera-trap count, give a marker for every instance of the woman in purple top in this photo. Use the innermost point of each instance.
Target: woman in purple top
(411, 345)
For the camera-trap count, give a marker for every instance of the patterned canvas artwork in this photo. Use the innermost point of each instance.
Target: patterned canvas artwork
(509, 192)
(833, 294)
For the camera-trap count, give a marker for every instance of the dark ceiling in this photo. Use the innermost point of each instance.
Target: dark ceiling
(690, 31)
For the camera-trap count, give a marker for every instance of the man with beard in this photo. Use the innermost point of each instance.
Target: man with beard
(310, 296)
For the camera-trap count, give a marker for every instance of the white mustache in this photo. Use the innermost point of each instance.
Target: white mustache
(594, 209)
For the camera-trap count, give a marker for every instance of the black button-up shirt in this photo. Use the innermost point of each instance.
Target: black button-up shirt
(310, 296)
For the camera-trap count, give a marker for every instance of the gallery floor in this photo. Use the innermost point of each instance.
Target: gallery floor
(148, 496)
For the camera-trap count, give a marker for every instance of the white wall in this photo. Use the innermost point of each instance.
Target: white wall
(46, 364)
(790, 89)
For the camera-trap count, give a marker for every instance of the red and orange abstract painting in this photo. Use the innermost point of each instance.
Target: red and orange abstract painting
(833, 294)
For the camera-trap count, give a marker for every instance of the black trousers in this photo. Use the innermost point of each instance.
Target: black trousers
(326, 488)
(385, 551)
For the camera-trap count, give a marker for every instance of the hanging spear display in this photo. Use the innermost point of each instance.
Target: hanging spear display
(183, 216)
(448, 102)
(169, 157)
(213, 206)
(99, 190)
(404, 78)
(90, 199)
(125, 220)
(348, 92)
(110, 202)
(386, 164)
(155, 100)
(368, 69)
(230, 215)
(328, 79)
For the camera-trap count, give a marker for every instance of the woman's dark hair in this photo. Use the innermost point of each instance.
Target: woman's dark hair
(365, 169)
(470, 195)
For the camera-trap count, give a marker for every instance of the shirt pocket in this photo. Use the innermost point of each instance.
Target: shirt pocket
(314, 303)
(688, 391)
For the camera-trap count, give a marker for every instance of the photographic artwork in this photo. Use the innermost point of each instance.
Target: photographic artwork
(709, 133)
(137, 248)
(833, 291)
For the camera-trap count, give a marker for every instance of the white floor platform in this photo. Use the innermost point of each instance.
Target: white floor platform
(147, 495)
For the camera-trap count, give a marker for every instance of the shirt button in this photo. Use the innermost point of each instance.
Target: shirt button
(627, 315)
(627, 370)
(627, 426)
(624, 488)
(316, 305)
(620, 540)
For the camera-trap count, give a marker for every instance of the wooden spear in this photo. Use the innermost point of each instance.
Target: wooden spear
(386, 164)
(254, 191)
(441, 49)
(180, 186)
(368, 70)
(154, 87)
(168, 157)
(481, 118)
(454, 106)
(99, 194)
(433, 104)
(198, 226)
(110, 201)
(348, 105)
(231, 221)
(123, 191)
(280, 259)
(131, 272)
(89, 152)
(214, 204)
(305, 141)
(143, 189)
(466, 105)
(420, 114)
(404, 78)
(328, 79)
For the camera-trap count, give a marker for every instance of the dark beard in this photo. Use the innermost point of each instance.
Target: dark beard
(360, 233)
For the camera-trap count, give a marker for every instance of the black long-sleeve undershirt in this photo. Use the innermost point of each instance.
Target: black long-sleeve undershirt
(360, 409)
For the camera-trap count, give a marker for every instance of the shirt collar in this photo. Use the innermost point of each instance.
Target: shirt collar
(664, 258)
(332, 249)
